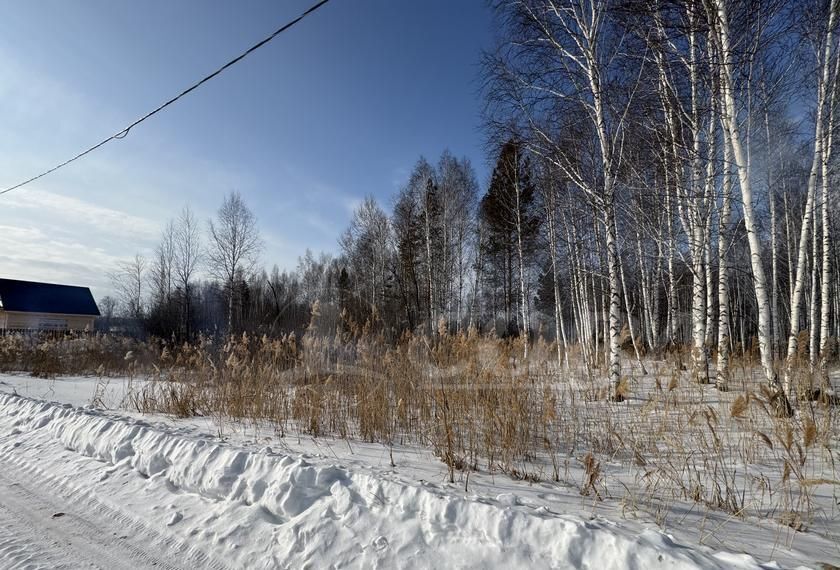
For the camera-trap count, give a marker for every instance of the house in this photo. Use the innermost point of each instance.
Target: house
(28, 305)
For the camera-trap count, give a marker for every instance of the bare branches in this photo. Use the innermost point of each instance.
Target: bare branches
(128, 280)
(235, 246)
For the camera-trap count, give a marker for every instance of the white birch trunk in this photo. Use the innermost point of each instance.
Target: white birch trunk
(646, 294)
(615, 308)
(551, 218)
(799, 283)
(693, 222)
(774, 249)
(812, 321)
(522, 296)
(428, 228)
(825, 284)
(629, 311)
(722, 376)
(672, 285)
(729, 114)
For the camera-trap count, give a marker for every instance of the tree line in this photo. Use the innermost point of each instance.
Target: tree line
(663, 177)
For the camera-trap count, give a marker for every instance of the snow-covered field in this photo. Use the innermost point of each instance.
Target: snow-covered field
(82, 486)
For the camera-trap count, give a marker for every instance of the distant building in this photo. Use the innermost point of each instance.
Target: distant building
(28, 305)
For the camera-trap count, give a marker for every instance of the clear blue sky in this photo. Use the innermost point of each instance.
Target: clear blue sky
(339, 107)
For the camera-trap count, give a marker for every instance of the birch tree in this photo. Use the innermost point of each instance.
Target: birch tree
(722, 372)
(563, 73)
(188, 255)
(825, 283)
(367, 245)
(550, 195)
(162, 268)
(235, 245)
(128, 280)
(823, 87)
(719, 24)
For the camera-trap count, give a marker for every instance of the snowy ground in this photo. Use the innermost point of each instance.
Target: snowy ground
(85, 487)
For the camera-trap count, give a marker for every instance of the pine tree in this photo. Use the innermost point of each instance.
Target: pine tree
(511, 223)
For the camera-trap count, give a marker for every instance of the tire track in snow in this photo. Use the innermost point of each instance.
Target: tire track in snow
(134, 539)
(20, 549)
(22, 475)
(54, 533)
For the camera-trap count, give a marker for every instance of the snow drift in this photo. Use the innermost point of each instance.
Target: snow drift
(263, 509)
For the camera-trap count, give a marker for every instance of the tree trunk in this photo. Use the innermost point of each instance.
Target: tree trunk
(431, 310)
(825, 284)
(629, 311)
(615, 306)
(550, 216)
(813, 325)
(722, 375)
(808, 216)
(672, 281)
(774, 250)
(729, 113)
(523, 297)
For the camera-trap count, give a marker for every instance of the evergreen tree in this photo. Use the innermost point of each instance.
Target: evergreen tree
(511, 223)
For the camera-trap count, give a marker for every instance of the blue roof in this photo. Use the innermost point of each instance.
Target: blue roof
(33, 297)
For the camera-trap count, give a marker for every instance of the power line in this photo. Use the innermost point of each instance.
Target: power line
(123, 133)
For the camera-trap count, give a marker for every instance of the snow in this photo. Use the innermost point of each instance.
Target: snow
(175, 493)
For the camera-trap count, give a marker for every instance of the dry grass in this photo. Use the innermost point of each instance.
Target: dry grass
(474, 402)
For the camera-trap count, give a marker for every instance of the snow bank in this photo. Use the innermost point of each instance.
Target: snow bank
(270, 509)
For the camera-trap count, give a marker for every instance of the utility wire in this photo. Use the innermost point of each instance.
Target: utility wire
(123, 133)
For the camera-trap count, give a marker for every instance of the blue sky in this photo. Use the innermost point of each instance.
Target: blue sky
(339, 107)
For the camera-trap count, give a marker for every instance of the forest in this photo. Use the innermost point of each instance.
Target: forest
(663, 178)
(616, 349)
(637, 313)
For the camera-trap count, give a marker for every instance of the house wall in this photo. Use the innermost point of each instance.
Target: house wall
(44, 321)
